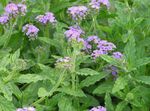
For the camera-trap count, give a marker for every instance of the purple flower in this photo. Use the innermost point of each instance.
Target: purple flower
(87, 45)
(95, 4)
(48, 17)
(97, 47)
(98, 108)
(74, 33)
(90, 41)
(95, 39)
(30, 30)
(22, 8)
(12, 9)
(4, 19)
(98, 53)
(41, 19)
(78, 12)
(117, 55)
(105, 2)
(26, 109)
(105, 45)
(114, 70)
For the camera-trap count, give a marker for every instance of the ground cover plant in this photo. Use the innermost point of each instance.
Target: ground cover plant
(74, 55)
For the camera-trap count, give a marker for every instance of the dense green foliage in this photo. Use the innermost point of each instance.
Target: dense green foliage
(30, 76)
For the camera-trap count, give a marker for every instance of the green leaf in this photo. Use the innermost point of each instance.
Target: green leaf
(16, 91)
(15, 56)
(89, 101)
(42, 92)
(130, 53)
(76, 93)
(1, 9)
(9, 89)
(29, 94)
(87, 71)
(103, 88)
(4, 61)
(120, 84)
(121, 106)
(113, 61)
(6, 105)
(143, 79)
(28, 78)
(108, 102)
(6, 90)
(143, 61)
(65, 104)
(92, 79)
(46, 40)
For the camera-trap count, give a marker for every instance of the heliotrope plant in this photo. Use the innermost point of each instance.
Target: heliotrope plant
(67, 55)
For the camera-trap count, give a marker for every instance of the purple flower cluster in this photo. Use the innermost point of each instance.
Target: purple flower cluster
(31, 31)
(14, 9)
(4, 19)
(98, 108)
(74, 33)
(26, 109)
(46, 18)
(95, 4)
(101, 46)
(117, 55)
(78, 12)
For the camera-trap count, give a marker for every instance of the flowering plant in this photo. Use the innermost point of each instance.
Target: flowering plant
(74, 55)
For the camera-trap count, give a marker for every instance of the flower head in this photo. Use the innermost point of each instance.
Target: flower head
(90, 41)
(98, 53)
(105, 2)
(22, 8)
(105, 45)
(26, 109)
(74, 33)
(114, 70)
(12, 9)
(97, 47)
(31, 31)
(48, 17)
(95, 4)
(78, 12)
(4, 19)
(117, 55)
(98, 108)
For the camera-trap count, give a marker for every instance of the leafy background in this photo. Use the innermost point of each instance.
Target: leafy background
(28, 76)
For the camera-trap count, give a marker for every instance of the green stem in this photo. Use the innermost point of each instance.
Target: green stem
(10, 32)
(74, 72)
(73, 81)
(53, 89)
